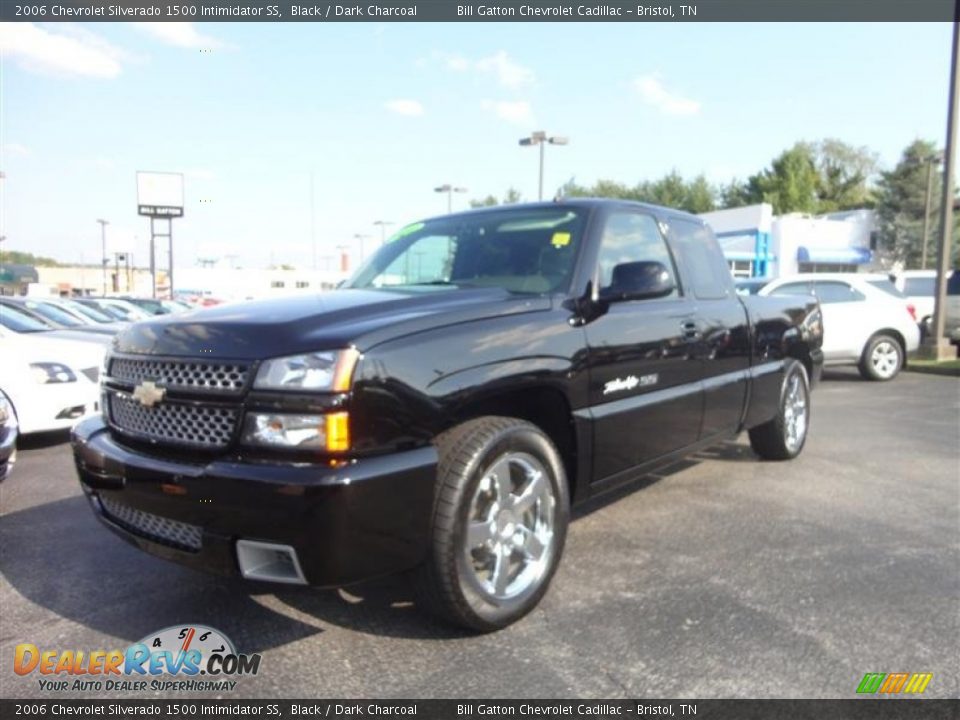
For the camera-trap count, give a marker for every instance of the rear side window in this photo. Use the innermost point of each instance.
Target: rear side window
(887, 286)
(702, 259)
(920, 287)
(831, 292)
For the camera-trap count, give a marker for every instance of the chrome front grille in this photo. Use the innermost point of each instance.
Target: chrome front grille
(160, 529)
(171, 422)
(182, 375)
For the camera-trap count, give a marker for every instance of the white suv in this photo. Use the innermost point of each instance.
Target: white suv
(866, 321)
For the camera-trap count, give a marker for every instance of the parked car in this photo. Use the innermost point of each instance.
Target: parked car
(90, 312)
(20, 320)
(119, 309)
(919, 287)
(750, 286)
(867, 322)
(441, 412)
(58, 316)
(8, 436)
(50, 382)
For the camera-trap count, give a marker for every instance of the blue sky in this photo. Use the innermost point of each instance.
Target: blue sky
(382, 113)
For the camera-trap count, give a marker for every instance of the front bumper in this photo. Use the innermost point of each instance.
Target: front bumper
(363, 519)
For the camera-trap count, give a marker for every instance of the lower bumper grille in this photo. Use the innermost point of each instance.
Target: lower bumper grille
(170, 422)
(174, 533)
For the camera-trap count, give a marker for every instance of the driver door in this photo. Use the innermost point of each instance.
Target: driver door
(645, 391)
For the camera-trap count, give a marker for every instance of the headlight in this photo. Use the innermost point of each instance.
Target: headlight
(330, 432)
(332, 371)
(45, 373)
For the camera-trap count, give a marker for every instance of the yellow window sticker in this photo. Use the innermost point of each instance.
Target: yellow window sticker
(560, 239)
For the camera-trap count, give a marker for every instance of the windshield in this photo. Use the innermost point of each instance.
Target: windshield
(52, 312)
(89, 312)
(20, 322)
(522, 250)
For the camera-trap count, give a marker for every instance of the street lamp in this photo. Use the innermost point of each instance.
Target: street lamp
(449, 190)
(383, 229)
(103, 245)
(540, 138)
(361, 238)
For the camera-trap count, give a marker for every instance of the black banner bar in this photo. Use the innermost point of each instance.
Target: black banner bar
(478, 11)
(190, 709)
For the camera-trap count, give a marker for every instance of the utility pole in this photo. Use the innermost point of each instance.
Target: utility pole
(937, 347)
(103, 254)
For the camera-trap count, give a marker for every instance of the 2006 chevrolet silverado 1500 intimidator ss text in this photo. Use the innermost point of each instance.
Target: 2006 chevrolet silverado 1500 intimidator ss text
(441, 412)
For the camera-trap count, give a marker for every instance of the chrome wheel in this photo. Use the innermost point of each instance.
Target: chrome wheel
(885, 359)
(509, 537)
(794, 413)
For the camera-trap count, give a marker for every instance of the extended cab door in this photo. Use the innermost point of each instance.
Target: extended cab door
(644, 394)
(723, 334)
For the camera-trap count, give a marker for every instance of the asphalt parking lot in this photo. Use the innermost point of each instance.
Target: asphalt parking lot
(725, 577)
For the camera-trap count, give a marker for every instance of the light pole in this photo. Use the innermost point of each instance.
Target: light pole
(449, 190)
(540, 138)
(361, 238)
(103, 247)
(930, 160)
(383, 229)
(937, 346)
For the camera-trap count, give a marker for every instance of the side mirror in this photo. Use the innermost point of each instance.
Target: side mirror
(638, 281)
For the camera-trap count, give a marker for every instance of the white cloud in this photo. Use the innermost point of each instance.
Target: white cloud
(517, 112)
(508, 72)
(654, 93)
(181, 34)
(104, 163)
(70, 52)
(411, 108)
(16, 149)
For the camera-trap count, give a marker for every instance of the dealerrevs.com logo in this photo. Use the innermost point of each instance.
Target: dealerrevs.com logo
(180, 657)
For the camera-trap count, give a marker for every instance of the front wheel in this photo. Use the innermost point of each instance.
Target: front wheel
(882, 358)
(783, 437)
(500, 522)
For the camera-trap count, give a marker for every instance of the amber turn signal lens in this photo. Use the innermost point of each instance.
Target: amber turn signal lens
(338, 432)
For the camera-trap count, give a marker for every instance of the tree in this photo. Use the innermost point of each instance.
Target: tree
(901, 203)
(511, 197)
(844, 173)
(18, 257)
(790, 184)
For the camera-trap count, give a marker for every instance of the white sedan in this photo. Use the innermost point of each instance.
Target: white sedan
(50, 382)
(867, 322)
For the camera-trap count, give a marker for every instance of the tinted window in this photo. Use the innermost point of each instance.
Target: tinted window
(13, 319)
(631, 237)
(887, 286)
(52, 312)
(701, 259)
(836, 292)
(796, 288)
(920, 287)
(521, 250)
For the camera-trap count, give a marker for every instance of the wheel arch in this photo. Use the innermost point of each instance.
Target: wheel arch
(544, 406)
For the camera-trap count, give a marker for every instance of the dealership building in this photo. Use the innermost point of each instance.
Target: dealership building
(758, 244)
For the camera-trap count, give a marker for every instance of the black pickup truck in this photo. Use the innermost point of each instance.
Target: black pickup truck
(440, 413)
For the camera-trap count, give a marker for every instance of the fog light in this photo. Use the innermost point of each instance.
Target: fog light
(309, 432)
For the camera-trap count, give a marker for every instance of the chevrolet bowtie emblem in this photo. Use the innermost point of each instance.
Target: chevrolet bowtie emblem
(148, 394)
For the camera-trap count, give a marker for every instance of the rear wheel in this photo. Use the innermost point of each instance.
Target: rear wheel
(783, 437)
(499, 526)
(882, 358)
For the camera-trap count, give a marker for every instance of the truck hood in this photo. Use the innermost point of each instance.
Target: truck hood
(342, 318)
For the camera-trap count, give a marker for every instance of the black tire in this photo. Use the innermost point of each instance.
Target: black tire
(447, 583)
(882, 358)
(773, 440)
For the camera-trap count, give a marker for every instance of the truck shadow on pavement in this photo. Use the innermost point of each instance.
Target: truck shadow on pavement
(57, 556)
